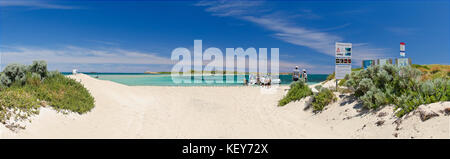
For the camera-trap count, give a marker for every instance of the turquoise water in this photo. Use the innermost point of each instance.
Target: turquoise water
(141, 79)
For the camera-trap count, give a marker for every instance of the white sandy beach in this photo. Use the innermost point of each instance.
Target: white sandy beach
(221, 112)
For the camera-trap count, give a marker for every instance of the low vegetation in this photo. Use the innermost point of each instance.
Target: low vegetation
(64, 94)
(404, 87)
(17, 105)
(23, 89)
(322, 99)
(342, 81)
(332, 76)
(433, 71)
(297, 91)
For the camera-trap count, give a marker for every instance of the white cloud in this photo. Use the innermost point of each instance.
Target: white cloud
(285, 29)
(229, 8)
(106, 59)
(74, 54)
(34, 4)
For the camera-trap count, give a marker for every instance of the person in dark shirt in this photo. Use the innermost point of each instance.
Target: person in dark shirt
(296, 74)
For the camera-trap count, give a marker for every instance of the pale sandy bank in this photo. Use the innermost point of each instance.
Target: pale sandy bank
(221, 112)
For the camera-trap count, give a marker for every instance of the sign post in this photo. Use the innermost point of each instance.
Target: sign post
(343, 60)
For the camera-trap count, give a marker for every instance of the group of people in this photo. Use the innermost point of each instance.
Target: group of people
(297, 75)
(262, 81)
(266, 81)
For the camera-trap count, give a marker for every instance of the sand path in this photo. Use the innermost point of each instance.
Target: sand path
(214, 112)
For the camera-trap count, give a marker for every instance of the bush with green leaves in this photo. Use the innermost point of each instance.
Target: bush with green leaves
(381, 85)
(64, 93)
(322, 99)
(5, 81)
(53, 73)
(33, 79)
(12, 74)
(39, 68)
(297, 91)
(22, 87)
(17, 73)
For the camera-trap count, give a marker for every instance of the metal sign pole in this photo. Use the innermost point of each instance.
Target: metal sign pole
(336, 85)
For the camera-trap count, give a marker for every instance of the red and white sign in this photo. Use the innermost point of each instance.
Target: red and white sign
(402, 47)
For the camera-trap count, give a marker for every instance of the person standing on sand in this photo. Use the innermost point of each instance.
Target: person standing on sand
(296, 74)
(304, 75)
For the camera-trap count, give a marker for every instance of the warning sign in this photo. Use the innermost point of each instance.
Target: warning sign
(402, 49)
(342, 70)
(343, 60)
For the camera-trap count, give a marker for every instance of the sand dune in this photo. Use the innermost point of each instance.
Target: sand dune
(221, 112)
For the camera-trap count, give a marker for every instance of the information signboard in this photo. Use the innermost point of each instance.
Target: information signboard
(343, 60)
(383, 61)
(402, 49)
(402, 62)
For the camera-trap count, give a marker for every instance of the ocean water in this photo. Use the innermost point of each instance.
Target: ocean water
(141, 79)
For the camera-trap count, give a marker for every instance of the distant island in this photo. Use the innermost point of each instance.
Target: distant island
(149, 72)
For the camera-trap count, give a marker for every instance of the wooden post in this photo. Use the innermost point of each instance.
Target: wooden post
(336, 85)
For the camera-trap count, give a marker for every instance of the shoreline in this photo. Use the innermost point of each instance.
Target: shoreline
(206, 85)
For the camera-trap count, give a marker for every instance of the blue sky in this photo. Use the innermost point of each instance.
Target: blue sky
(138, 36)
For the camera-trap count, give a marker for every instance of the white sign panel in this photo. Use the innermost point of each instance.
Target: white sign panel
(343, 60)
(344, 50)
(383, 61)
(402, 47)
(342, 70)
(402, 61)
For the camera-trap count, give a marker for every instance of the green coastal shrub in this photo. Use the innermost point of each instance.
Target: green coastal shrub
(64, 93)
(13, 73)
(33, 79)
(377, 86)
(23, 88)
(322, 99)
(342, 81)
(434, 71)
(5, 81)
(420, 66)
(17, 104)
(18, 73)
(53, 73)
(330, 77)
(39, 68)
(297, 91)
